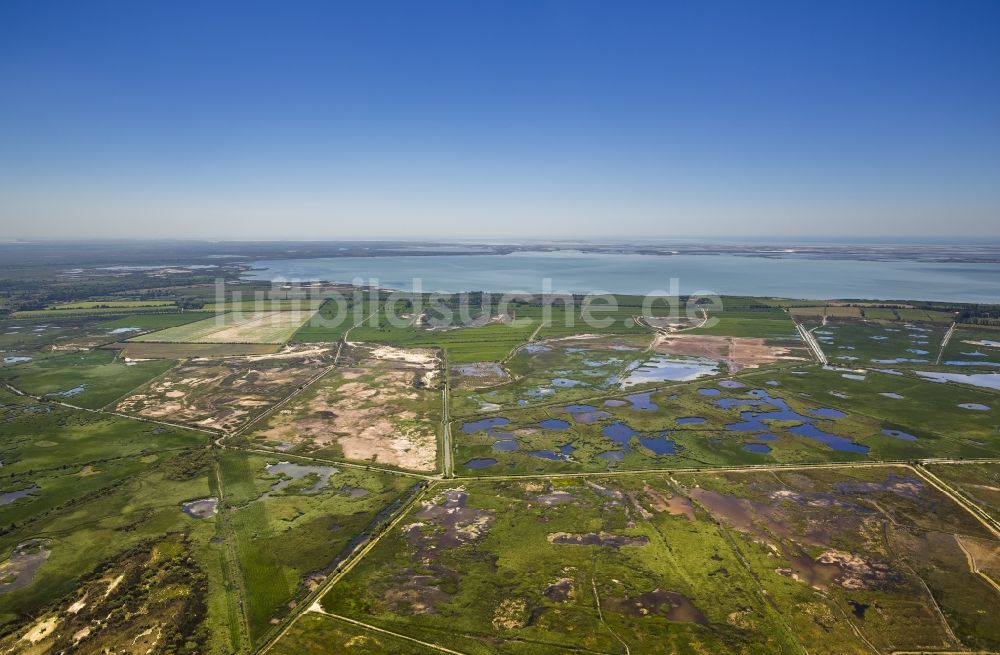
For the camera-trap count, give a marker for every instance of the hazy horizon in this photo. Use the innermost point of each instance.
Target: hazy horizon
(329, 121)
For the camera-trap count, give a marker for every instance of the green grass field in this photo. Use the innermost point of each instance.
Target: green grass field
(282, 535)
(90, 379)
(102, 485)
(235, 327)
(642, 548)
(114, 304)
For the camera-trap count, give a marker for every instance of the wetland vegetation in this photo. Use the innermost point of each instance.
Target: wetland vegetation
(493, 480)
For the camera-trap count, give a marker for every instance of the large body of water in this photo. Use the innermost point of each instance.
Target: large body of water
(791, 276)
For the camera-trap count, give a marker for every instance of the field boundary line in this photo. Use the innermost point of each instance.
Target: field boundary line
(115, 402)
(447, 465)
(600, 616)
(748, 468)
(973, 567)
(811, 342)
(295, 392)
(315, 608)
(133, 417)
(348, 564)
(336, 462)
(281, 403)
(762, 593)
(944, 341)
(972, 508)
(233, 564)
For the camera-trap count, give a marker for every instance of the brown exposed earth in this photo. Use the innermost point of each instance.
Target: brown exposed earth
(382, 408)
(737, 352)
(225, 393)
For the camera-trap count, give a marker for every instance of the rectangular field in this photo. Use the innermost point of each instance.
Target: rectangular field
(225, 393)
(293, 521)
(382, 405)
(156, 350)
(90, 379)
(235, 327)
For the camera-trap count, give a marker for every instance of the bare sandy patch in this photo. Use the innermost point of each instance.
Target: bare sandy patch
(737, 352)
(41, 630)
(223, 393)
(384, 409)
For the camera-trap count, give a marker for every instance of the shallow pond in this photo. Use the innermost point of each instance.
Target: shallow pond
(641, 401)
(546, 454)
(619, 433)
(291, 472)
(690, 420)
(891, 394)
(659, 445)
(664, 368)
(828, 412)
(985, 380)
(69, 393)
(747, 426)
(899, 434)
(733, 403)
(708, 391)
(11, 496)
(834, 441)
(539, 392)
(24, 562)
(480, 463)
(554, 424)
(505, 445)
(978, 407)
(16, 359)
(482, 370)
(758, 448)
(202, 508)
(585, 414)
(484, 424)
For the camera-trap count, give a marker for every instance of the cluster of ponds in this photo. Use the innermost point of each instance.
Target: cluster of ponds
(912, 339)
(771, 408)
(917, 350)
(290, 472)
(505, 441)
(757, 408)
(598, 370)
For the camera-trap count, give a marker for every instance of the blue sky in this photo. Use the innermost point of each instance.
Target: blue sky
(499, 119)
